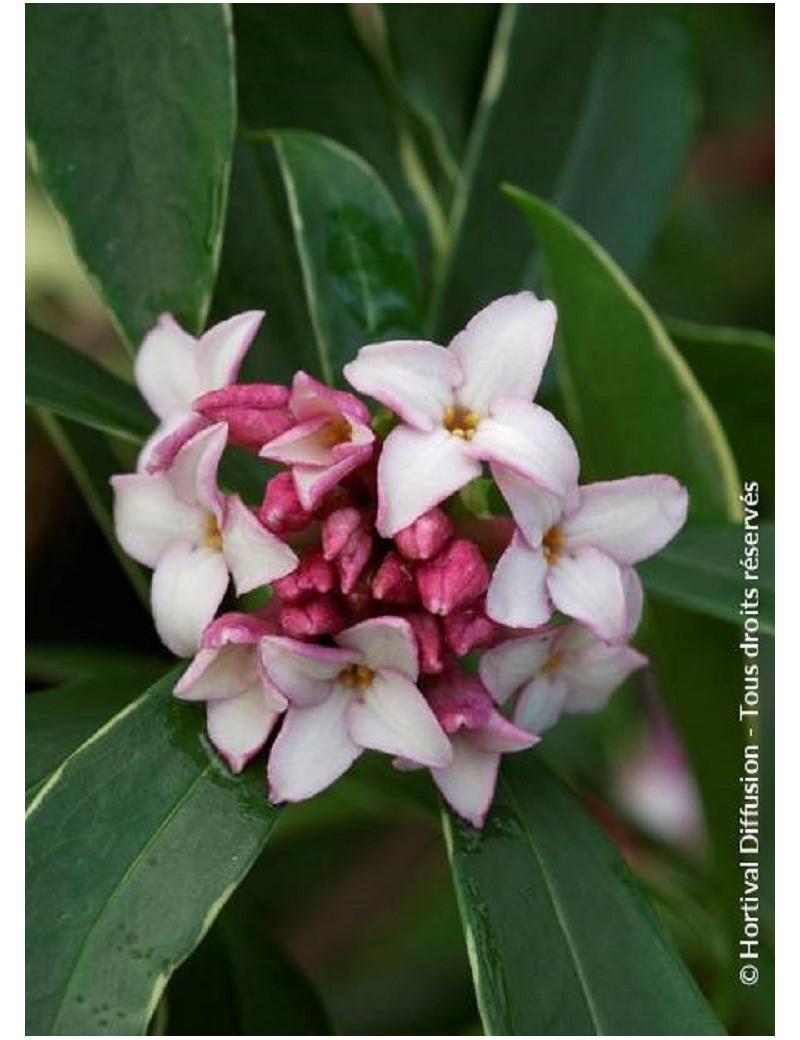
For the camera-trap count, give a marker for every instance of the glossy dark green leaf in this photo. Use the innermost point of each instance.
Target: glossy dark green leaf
(133, 846)
(91, 461)
(356, 255)
(700, 570)
(588, 105)
(736, 368)
(59, 720)
(561, 940)
(60, 663)
(131, 115)
(69, 384)
(632, 403)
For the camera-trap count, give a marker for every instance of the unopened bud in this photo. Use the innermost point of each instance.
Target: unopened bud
(255, 412)
(430, 645)
(312, 575)
(453, 579)
(466, 629)
(393, 581)
(313, 617)
(281, 510)
(426, 537)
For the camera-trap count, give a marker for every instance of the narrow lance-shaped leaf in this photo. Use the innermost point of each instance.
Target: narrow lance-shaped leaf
(355, 252)
(587, 105)
(131, 115)
(561, 940)
(69, 384)
(631, 400)
(133, 847)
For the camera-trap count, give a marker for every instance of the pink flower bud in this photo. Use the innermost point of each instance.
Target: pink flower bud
(426, 537)
(313, 617)
(337, 528)
(254, 412)
(464, 630)
(393, 582)
(459, 700)
(313, 575)
(347, 539)
(359, 600)
(281, 510)
(453, 579)
(428, 634)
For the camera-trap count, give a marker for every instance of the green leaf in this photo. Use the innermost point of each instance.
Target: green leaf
(131, 115)
(58, 663)
(736, 368)
(700, 570)
(587, 105)
(58, 721)
(355, 252)
(133, 846)
(69, 384)
(632, 403)
(92, 463)
(561, 940)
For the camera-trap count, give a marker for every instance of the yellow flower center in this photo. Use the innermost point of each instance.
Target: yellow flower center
(461, 422)
(212, 536)
(356, 677)
(553, 544)
(552, 663)
(337, 431)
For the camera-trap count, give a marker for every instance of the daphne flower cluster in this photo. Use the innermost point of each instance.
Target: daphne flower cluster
(396, 620)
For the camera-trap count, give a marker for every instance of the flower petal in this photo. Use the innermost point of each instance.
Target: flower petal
(504, 348)
(413, 378)
(541, 702)
(592, 669)
(193, 472)
(391, 715)
(163, 444)
(383, 642)
(149, 517)
(305, 443)
(531, 442)
(629, 519)
(166, 368)
(188, 586)
(220, 350)
(417, 471)
(310, 397)
(313, 483)
(303, 672)
(312, 750)
(588, 586)
(219, 674)
(503, 736)
(238, 728)
(634, 600)
(535, 511)
(517, 594)
(506, 668)
(468, 783)
(254, 555)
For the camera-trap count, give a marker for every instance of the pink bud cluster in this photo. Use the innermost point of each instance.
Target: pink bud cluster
(378, 586)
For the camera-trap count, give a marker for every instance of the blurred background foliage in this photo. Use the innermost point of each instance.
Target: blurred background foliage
(366, 907)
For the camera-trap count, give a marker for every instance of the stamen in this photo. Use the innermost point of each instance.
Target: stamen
(337, 431)
(212, 537)
(553, 544)
(356, 677)
(553, 662)
(461, 422)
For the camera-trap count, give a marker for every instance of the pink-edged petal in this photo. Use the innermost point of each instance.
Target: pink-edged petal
(313, 483)
(149, 517)
(312, 750)
(541, 702)
(305, 443)
(628, 519)
(220, 351)
(417, 471)
(587, 585)
(383, 642)
(188, 586)
(517, 593)
(529, 441)
(415, 379)
(163, 445)
(193, 472)
(304, 672)
(634, 600)
(468, 783)
(219, 674)
(254, 555)
(502, 736)
(535, 511)
(504, 348)
(310, 397)
(593, 670)
(506, 668)
(239, 728)
(391, 715)
(166, 369)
